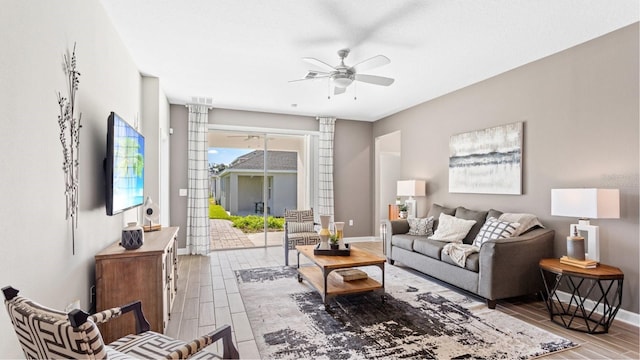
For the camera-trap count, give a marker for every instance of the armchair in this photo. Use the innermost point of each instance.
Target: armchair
(46, 333)
(298, 230)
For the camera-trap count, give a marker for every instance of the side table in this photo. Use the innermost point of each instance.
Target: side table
(603, 285)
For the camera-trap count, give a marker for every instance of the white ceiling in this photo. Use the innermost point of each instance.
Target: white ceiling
(242, 53)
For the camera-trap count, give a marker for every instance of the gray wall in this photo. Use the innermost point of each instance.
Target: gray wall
(353, 153)
(36, 254)
(580, 109)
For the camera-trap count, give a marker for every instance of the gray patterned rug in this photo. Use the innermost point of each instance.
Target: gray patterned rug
(419, 319)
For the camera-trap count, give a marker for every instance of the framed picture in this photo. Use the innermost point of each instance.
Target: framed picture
(487, 161)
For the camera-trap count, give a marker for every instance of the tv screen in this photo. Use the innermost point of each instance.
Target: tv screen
(124, 166)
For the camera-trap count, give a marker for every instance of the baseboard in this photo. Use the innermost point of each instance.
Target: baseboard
(183, 251)
(625, 316)
(349, 240)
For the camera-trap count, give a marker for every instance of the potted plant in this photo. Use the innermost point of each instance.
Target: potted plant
(403, 211)
(333, 240)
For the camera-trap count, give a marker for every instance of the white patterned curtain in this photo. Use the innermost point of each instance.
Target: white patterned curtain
(198, 238)
(325, 161)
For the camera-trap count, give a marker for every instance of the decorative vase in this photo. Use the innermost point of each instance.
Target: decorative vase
(132, 236)
(324, 232)
(340, 233)
(402, 214)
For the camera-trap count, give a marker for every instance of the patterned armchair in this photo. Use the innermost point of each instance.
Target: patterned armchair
(298, 230)
(45, 333)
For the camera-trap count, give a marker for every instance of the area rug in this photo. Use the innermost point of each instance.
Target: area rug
(418, 319)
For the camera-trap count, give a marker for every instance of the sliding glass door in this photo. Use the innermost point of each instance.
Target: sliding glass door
(255, 177)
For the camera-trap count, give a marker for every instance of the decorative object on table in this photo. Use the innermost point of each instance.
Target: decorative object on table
(402, 213)
(329, 251)
(333, 239)
(487, 161)
(575, 245)
(351, 274)
(586, 204)
(132, 236)
(410, 188)
(324, 232)
(151, 212)
(585, 264)
(70, 140)
(339, 228)
(419, 319)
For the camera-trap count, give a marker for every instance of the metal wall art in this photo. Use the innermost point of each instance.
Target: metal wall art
(70, 140)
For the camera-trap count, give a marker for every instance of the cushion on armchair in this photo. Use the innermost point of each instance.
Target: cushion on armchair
(300, 227)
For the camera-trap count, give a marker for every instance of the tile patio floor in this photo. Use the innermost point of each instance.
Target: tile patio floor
(225, 236)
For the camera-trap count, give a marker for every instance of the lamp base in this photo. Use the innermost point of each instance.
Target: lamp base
(590, 233)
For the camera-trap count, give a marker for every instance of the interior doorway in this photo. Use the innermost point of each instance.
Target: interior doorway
(388, 168)
(255, 176)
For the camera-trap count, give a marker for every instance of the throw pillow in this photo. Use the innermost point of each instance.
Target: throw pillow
(452, 229)
(526, 221)
(495, 229)
(298, 227)
(421, 226)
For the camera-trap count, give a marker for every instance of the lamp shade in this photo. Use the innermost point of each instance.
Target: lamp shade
(586, 203)
(411, 188)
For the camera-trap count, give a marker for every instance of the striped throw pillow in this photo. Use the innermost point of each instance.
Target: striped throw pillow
(495, 229)
(299, 227)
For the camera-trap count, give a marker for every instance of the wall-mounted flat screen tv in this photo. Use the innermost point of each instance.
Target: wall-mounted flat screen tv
(124, 166)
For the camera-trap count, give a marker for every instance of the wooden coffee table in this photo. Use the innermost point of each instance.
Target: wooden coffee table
(320, 276)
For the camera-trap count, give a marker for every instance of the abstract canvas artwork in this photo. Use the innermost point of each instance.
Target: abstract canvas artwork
(487, 161)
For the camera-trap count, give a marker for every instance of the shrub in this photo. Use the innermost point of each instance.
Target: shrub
(254, 223)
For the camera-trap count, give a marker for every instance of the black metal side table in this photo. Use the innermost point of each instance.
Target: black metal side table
(601, 285)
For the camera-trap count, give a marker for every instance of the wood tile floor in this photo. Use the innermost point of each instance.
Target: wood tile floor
(208, 296)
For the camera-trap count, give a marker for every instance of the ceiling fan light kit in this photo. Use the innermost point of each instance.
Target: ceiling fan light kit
(342, 76)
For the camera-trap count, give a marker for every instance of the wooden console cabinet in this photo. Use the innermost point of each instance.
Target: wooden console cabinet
(148, 274)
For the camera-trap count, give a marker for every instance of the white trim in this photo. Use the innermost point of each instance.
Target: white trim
(183, 251)
(362, 239)
(262, 130)
(625, 316)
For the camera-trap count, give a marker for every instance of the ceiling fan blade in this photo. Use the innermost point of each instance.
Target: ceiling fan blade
(371, 63)
(323, 76)
(373, 79)
(338, 90)
(318, 63)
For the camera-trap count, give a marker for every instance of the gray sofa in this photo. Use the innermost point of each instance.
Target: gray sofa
(501, 269)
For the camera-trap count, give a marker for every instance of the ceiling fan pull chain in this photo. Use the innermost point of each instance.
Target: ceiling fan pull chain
(328, 89)
(355, 91)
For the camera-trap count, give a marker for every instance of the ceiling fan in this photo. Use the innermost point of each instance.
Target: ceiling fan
(344, 75)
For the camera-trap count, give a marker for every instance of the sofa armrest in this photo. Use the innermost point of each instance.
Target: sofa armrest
(393, 227)
(509, 267)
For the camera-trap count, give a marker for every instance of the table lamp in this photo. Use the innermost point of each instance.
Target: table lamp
(586, 204)
(411, 188)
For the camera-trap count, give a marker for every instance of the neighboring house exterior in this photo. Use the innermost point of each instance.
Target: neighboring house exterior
(240, 185)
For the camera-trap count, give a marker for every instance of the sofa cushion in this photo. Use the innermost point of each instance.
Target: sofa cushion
(435, 212)
(495, 229)
(526, 221)
(404, 241)
(421, 226)
(479, 216)
(452, 229)
(493, 213)
(428, 247)
(472, 263)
